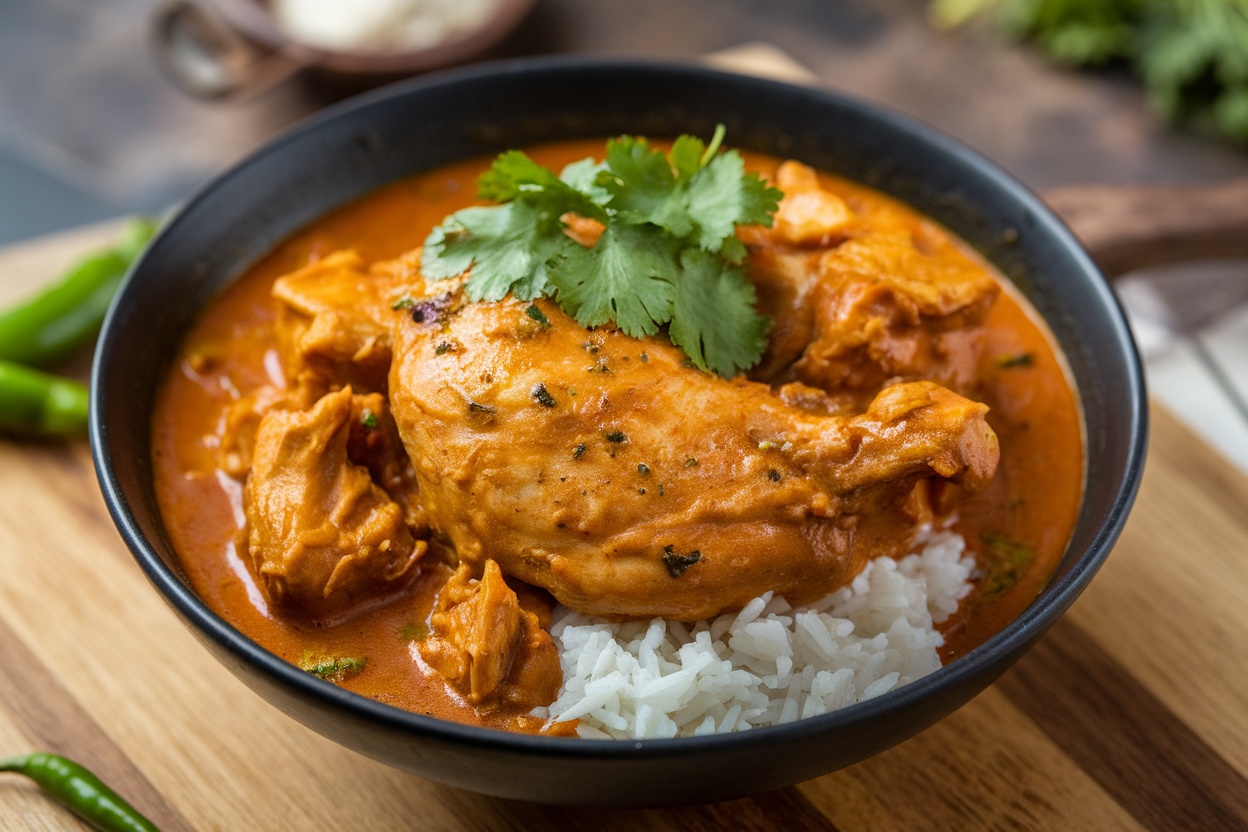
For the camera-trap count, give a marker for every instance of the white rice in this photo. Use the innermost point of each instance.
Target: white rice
(769, 663)
(379, 25)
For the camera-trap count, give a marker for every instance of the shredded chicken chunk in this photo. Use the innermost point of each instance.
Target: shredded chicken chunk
(321, 533)
(489, 644)
(860, 300)
(332, 325)
(808, 214)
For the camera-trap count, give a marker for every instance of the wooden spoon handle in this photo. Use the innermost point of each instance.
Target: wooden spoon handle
(1128, 228)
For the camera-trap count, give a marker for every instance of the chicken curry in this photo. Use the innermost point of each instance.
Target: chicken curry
(391, 486)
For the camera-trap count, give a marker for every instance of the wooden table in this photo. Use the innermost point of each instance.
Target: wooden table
(1132, 713)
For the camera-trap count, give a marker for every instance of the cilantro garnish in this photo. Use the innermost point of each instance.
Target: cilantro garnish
(668, 255)
(335, 668)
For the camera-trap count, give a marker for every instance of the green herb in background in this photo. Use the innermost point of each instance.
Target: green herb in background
(1191, 54)
(668, 254)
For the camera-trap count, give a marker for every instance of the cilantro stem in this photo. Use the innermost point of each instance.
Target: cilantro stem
(711, 149)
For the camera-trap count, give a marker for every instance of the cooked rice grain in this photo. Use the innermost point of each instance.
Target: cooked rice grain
(770, 663)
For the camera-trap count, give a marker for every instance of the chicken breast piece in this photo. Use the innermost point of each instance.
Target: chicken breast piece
(606, 470)
(321, 534)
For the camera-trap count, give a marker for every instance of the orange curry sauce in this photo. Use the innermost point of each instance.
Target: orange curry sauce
(1033, 500)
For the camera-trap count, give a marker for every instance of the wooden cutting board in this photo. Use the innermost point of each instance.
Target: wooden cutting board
(1132, 713)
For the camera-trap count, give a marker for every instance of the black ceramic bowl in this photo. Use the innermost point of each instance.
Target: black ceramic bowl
(364, 144)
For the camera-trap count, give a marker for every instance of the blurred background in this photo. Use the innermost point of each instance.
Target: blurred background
(90, 127)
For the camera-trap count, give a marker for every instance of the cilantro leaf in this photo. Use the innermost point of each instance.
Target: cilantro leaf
(505, 246)
(713, 317)
(511, 172)
(627, 278)
(583, 176)
(723, 196)
(448, 251)
(686, 156)
(642, 186)
(514, 176)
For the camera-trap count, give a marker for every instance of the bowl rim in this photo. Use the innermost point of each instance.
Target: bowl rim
(987, 660)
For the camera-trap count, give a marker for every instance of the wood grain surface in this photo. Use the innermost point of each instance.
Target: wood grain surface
(1129, 228)
(1132, 713)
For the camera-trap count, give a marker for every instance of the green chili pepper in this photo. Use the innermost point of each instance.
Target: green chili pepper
(80, 791)
(38, 404)
(52, 325)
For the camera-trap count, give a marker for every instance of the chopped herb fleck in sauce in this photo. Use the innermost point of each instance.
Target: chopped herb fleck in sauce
(645, 359)
(402, 303)
(541, 395)
(616, 437)
(334, 669)
(368, 419)
(1023, 359)
(444, 347)
(643, 468)
(677, 563)
(477, 407)
(413, 631)
(773, 475)
(580, 450)
(691, 463)
(538, 315)
(1003, 562)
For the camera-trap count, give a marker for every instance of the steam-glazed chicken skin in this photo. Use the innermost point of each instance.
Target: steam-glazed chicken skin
(606, 470)
(862, 298)
(321, 533)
